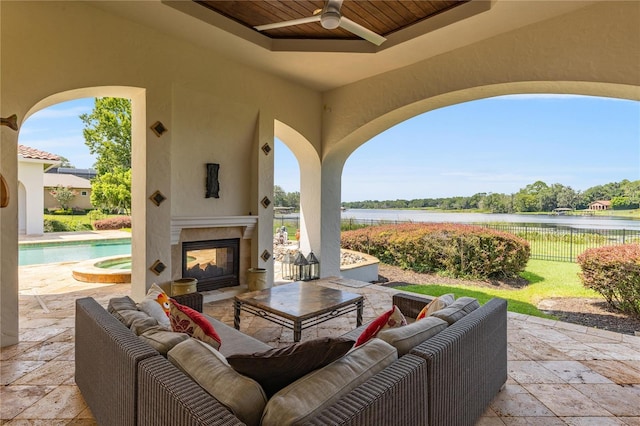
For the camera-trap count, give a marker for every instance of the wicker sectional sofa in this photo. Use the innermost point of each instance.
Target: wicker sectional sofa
(449, 379)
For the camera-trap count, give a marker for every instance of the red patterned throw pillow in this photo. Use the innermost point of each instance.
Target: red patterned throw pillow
(390, 319)
(189, 321)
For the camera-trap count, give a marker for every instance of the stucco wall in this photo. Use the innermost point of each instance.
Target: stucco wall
(216, 110)
(30, 174)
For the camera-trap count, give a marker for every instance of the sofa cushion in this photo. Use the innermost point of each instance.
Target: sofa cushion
(457, 309)
(162, 340)
(309, 395)
(276, 368)
(208, 367)
(436, 304)
(156, 304)
(411, 335)
(390, 319)
(125, 310)
(187, 320)
(235, 342)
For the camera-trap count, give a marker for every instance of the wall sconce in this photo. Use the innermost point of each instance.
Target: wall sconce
(314, 266)
(300, 268)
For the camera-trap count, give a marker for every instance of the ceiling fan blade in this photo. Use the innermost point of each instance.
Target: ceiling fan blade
(288, 23)
(361, 31)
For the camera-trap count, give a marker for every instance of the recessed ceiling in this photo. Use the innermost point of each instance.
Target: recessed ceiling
(381, 17)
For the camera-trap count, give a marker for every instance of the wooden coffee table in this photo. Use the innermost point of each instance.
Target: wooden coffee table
(298, 305)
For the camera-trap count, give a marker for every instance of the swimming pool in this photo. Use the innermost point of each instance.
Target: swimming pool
(71, 251)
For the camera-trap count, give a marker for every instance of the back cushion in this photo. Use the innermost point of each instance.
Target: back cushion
(125, 310)
(208, 367)
(309, 395)
(406, 337)
(457, 309)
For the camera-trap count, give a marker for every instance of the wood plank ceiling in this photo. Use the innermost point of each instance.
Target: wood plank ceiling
(382, 17)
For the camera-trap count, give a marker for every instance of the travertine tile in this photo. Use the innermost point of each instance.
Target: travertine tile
(46, 351)
(574, 372)
(619, 372)
(11, 370)
(15, 399)
(531, 372)
(592, 421)
(533, 421)
(64, 402)
(515, 401)
(51, 373)
(619, 400)
(565, 400)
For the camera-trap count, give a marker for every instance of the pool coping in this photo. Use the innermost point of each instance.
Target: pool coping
(87, 272)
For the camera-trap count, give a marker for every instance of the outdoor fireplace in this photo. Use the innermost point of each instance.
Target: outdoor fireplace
(214, 263)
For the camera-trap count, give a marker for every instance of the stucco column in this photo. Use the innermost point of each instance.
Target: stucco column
(9, 239)
(262, 189)
(151, 172)
(330, 216)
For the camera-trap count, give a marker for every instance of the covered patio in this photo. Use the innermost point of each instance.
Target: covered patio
(559, 373)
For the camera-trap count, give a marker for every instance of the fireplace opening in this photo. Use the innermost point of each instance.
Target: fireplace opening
(214, 263)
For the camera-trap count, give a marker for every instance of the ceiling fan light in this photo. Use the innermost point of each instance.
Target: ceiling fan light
(330, 20)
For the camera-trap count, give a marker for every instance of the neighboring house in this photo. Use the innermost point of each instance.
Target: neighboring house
(81, 186)
(32, 164)
(600, 205)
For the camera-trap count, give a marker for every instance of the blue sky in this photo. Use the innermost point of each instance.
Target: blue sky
(493, 145)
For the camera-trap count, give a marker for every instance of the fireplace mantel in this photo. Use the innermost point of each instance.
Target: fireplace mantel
(183, 222)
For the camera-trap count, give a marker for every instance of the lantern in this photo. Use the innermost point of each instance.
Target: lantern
(300, 268)
(314, 266)
(287, 266)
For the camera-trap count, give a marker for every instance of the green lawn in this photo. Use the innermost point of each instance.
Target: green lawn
(546, 280)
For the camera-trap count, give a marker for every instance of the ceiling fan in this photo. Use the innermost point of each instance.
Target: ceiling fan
(330, 18)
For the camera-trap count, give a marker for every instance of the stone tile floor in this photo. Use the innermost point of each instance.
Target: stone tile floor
(559, 373)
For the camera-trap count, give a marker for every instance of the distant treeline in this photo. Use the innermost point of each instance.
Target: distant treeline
(536, 197)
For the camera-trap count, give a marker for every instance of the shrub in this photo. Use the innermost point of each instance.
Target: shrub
(118, 222)
(614, 272)
(52, 225)
(459, 250)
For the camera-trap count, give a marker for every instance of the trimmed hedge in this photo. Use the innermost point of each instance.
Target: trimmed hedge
(118, 222)
(459, 250)
(614, 272)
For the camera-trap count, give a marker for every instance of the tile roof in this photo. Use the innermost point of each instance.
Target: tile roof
(53, 179)
(36, 154)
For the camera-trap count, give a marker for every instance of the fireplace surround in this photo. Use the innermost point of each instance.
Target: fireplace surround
(196, 229)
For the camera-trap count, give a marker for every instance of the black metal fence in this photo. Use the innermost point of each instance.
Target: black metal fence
(561, 244)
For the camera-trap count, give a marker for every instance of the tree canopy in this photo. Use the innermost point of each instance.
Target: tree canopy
(535, 197)
(107, 133)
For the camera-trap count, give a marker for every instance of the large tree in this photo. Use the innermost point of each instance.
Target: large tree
(107, 133)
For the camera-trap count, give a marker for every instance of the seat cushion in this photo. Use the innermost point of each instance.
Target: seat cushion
(276, 368)
(309, 395)
(206, 366)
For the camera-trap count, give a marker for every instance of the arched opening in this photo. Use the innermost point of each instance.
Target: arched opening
(138, 139)
(497, 145)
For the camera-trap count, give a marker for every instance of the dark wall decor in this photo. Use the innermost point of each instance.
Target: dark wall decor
(158, 128)
(213, 186)
(11, 122)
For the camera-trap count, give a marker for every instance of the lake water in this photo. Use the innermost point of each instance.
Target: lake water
(569, 221)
